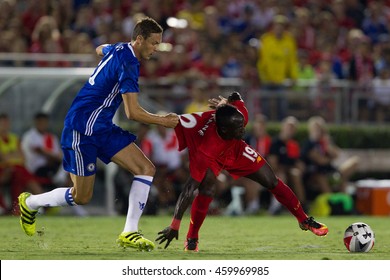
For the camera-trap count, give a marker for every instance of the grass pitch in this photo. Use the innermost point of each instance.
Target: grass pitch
(221, 238)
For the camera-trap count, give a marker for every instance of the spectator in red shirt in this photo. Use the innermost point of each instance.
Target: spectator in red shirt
(208, 66)
(46, 38)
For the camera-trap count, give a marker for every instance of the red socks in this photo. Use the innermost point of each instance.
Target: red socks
(282, 193)
(199, 209)
(287, 198)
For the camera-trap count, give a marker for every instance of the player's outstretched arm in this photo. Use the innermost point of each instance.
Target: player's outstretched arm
(134, 111)
(183, 202)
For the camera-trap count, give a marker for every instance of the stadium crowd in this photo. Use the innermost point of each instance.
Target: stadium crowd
(204, 40)
(324, 40)
(227, 31)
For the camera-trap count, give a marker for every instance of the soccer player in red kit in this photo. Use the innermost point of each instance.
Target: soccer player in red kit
(214, 142)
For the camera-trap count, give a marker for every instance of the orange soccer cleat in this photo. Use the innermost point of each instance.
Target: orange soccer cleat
(314, 226)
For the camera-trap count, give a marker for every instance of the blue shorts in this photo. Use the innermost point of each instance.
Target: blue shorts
(81, 151)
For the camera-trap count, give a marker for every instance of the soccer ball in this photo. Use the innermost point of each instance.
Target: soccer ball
(359, 237)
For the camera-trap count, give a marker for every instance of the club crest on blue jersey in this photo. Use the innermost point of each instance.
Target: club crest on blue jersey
(91, 167)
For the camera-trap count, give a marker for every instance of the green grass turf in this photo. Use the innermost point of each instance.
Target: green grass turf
(231, 238)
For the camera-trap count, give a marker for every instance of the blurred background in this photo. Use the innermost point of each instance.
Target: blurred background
(298, 65)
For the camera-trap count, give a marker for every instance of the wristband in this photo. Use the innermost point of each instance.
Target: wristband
(175, 224)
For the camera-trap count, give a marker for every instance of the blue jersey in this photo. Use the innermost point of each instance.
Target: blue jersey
(97, 101)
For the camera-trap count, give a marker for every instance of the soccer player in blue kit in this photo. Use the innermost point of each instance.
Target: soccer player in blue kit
(89, 133)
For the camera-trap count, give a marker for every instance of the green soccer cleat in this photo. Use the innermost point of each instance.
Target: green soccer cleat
(135, 240)
(27, 216)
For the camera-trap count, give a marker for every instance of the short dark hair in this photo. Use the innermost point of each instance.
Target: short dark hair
(4, 116)
(225, 114)
(145, 27)
(41, 115)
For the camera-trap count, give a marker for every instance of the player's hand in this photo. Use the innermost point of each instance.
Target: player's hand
(171, 120)
(215, 102)
(167, 234)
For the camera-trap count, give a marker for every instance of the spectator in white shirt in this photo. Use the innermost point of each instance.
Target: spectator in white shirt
(43, 156)
(42, 149)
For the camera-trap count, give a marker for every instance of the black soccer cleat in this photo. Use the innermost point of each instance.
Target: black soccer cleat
(191, 244)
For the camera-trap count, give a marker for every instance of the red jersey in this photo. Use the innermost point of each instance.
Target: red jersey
(207, 150)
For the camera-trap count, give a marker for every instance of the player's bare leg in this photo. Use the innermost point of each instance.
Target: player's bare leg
(133, 159)
(346, 170)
